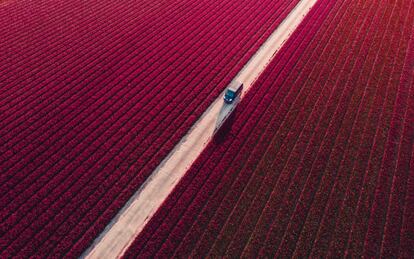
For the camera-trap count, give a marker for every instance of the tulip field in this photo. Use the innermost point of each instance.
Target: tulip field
(94, 94)
(318, 160)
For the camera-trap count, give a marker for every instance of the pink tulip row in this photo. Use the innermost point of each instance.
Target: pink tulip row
(289, 180)
(92, 109)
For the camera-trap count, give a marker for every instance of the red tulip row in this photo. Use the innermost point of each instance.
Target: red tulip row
(333, 185)
(244, 195)
(400, 212)
(96, 95)
(289, 180)
(189, 189)
(387, 210)
(347, 124)
(371, 146)
(406, 248)
(300, 135)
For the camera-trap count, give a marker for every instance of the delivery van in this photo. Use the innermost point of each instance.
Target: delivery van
(232, 91)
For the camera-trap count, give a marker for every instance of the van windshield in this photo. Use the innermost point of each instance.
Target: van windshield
(230, 93)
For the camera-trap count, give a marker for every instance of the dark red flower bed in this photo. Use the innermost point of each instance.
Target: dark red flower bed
(317, 160)
(94, 94)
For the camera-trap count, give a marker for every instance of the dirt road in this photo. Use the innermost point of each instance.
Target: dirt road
(119, 234)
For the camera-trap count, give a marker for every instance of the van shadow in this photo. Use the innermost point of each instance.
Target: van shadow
(223, 132)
